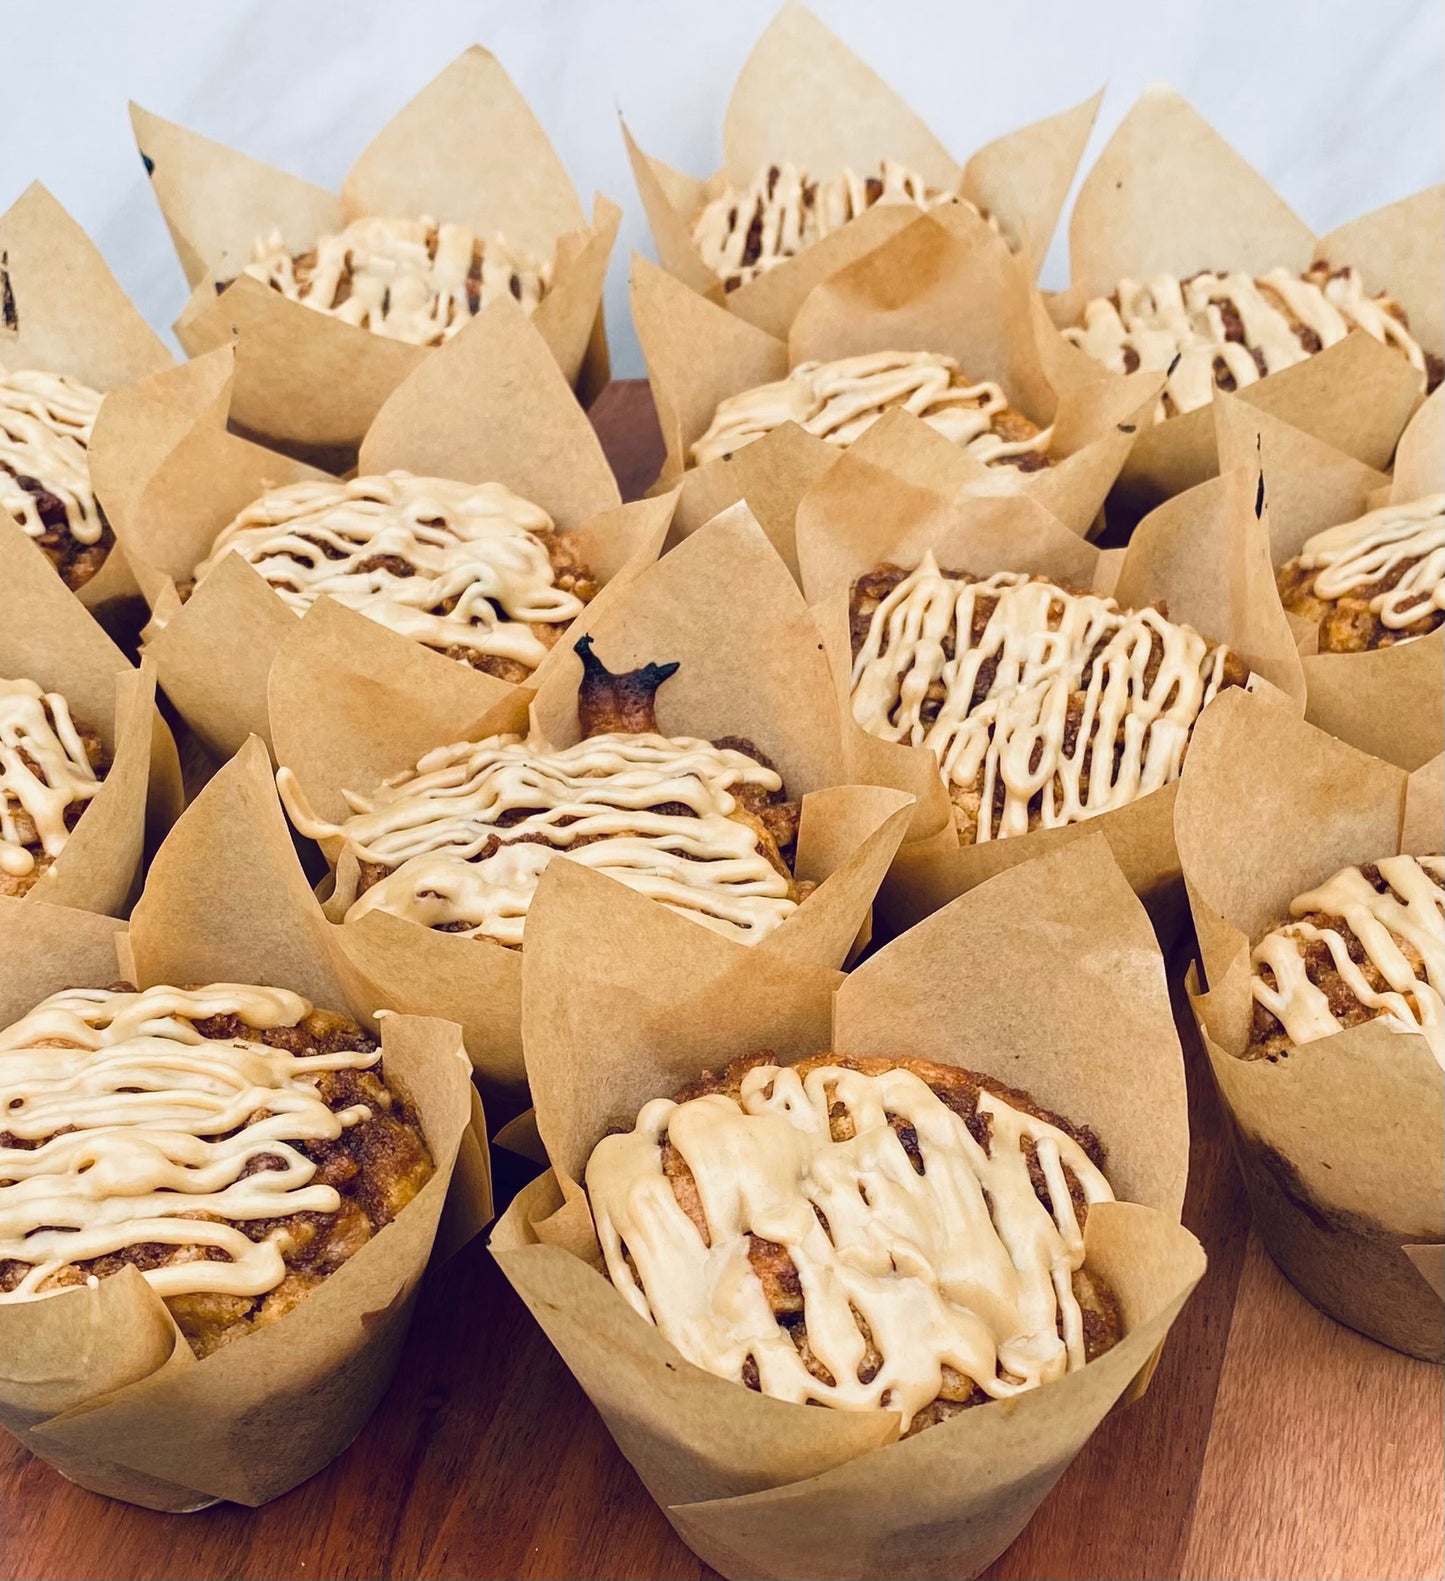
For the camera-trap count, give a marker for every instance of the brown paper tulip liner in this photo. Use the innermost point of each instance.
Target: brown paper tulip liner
(350, 706)
(1169, 195)
(803, 98)
(97, 1380)
(489, 406)
(1025, 980)
(1389, 702)
(945, 283)
(466, 150)
(1340, 1141)
(64, 312)
(1204, 555)
(49, 638)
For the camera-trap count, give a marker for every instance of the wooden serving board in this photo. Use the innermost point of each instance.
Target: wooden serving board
(1272, 1442)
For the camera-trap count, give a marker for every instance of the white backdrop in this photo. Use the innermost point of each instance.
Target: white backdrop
(1336, 101)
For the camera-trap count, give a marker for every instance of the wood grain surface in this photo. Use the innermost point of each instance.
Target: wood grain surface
(1272, 1442)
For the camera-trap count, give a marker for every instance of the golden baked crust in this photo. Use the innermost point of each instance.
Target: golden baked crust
(986, 805)
(1368, 943)
(51, 764)
(1373, 582)
(375, 1165)
(773, 1266)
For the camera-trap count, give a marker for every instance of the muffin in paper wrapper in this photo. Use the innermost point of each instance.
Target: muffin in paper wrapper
(804, 98)
(98, 1380)
(944, 283)
(1205, 555)
(48, 637)
(1389, 702)
(352, 705)
(489, 406)
(466, 150)
(1020, 980)
(1339, 1143)
(1168, 194)
(65, 312)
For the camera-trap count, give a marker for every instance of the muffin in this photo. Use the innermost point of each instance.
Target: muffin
(51, 765)
(45, 427)
(417, 281)
(460, 842)
(1367, 944)
(867, 1234)
(1045, 704)
(1213, 331)
(469, 569)
(1372, 582)
(234, 1144)
(839, 401)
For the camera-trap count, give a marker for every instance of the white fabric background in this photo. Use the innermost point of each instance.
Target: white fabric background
(1336, 101)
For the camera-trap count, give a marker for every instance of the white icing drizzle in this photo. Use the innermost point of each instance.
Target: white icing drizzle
(1039, 637)
(1179, 327)
(839, 401)
(43, 773)
(596, 802)
(405, 279)
(961, 1266)
(477, 546)
(45, 425)
(1410, 913)
(165, 1122)
(782, 210)
(1371, 550)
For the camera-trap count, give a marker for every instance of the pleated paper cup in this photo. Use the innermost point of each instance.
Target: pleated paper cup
(1339, 1143)
(489, 406)
(804, 98)
(351, 706)
(1389, 702)
(1169, 195)
(466, 150)
(97, 1380)
(48, 637)
(1047, 979)
(945, 283)
(65, 312)
(1204, 556)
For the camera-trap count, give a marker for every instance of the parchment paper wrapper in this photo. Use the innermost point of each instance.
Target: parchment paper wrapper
(466, 149)
(1339, 1143)
(99, 1381)
(490, 405)
(348, 709)
(65, 312)
(1168, 194)
(49, 638)
(1048, 979)
(803, 97)
(1204, 555)
(944, 283)
(1391, 702)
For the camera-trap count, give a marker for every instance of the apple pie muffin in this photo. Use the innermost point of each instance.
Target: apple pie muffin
(839, 401)
(746, 231)
(470, 569)
(1372, 582)
(234, 1144)
(51, 765)
(45, 426)
(1367, 944)
(1044, 704)
(868, 1234)
(412, 280)
(459, 842)
(1223, 331)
